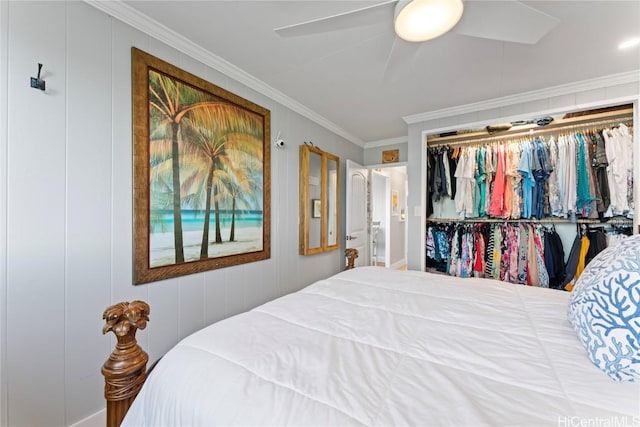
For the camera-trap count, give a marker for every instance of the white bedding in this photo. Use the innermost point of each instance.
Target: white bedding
(374, 346)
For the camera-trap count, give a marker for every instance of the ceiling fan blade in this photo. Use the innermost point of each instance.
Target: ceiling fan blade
(400, 55)
(375, 14)
(510, 21)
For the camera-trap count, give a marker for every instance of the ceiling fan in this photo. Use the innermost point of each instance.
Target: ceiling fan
(421, 20)
(511, 21)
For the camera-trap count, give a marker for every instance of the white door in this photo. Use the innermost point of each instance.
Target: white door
(356, 211)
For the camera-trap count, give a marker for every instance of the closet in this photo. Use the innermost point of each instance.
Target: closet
(530, 202)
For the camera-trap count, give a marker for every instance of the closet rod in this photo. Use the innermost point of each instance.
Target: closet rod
(531, 133)
(617, 221)
(580, 122)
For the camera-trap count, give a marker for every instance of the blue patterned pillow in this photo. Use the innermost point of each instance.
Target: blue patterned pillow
(604, 310)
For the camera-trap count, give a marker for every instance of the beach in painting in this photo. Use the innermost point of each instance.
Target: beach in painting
(248, 238)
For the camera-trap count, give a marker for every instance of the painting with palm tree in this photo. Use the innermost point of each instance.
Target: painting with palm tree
(201, 174)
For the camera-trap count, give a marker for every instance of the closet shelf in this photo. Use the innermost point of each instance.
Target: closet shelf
(590, 121)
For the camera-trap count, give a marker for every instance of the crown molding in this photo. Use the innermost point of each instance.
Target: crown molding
(535, 95)
(385, 142)
(131, 16)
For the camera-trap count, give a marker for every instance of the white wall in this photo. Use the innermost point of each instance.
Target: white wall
(373, 151)
(66, 211)
(603, 92)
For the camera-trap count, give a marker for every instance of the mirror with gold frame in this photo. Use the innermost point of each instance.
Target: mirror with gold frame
(319, 201)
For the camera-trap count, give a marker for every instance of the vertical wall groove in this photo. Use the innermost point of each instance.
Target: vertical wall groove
(65, 277)
(4, 45)
(88, 185)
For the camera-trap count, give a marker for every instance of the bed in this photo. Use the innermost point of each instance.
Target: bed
(373, 346)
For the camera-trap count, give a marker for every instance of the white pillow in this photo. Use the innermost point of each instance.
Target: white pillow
(604, 310)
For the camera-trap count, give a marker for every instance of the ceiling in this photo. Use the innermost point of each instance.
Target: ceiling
(344, 75)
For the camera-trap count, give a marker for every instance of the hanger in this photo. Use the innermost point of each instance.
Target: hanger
(582, 230)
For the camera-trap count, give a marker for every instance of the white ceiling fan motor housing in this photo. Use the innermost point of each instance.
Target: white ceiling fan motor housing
(421, 20)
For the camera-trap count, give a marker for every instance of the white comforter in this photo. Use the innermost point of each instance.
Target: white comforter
(372, 346)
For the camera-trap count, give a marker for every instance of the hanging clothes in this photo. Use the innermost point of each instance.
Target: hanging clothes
(497, 253)
(447, 173)
(599, 165)
(581, 174)
(597, 243)
(496, 207)
(481, 182)
(490, 171)
(555, 204)
(523, 270)
(541, 169)
(453, 164)
(511, 196)
(430, 179)
(543, 275)
(465, 183)
(584, 196)
(570, 174)
(510, 256)
(524, 253)
(572, 264)
(528, 181)
(479, 263)
(554, 258)
(488, 257)
(619, 151)
(576, 262)
(594, 190)
(570, 184)
(584, 248)
(440, 176)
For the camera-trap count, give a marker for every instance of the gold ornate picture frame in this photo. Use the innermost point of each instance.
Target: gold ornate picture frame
(201, 174)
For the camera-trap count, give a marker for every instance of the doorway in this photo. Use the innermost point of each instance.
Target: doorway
(380, 219)
(388, 240)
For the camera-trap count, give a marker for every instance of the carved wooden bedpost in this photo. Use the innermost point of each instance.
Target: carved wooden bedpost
(126, 369)
(351, 254)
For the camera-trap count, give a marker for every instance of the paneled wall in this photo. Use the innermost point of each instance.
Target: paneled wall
(66, 211)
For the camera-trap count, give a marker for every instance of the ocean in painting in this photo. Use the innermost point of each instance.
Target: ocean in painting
(248, 235)
(192, 220)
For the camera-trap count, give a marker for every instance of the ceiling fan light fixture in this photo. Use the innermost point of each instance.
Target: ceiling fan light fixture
(421, 20)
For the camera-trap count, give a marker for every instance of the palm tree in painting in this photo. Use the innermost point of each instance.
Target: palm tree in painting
(206, 152)
(214, 133)
(161, 191)
(244, 182)
(160, 180)
(170, 100)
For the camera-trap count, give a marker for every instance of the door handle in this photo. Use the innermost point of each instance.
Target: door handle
(350, 237)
